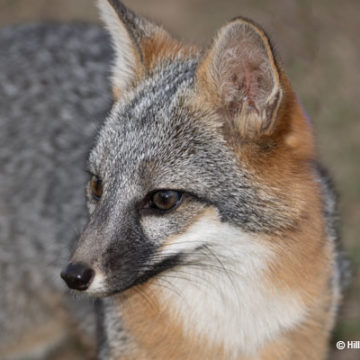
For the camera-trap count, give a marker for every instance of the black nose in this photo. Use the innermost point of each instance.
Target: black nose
(77, 276)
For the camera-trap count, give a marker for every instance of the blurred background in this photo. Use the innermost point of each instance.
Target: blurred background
(318, 43)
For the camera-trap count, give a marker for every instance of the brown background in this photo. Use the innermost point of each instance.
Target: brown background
(318, 42)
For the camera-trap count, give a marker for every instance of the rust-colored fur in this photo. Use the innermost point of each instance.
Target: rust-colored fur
(270, 276)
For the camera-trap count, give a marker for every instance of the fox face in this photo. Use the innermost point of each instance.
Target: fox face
(161, 163)
(204, 172)
(162, 158)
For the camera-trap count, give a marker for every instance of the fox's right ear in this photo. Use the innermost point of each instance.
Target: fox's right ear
(138, 44)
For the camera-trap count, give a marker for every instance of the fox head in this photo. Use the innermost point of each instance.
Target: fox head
(203, 151)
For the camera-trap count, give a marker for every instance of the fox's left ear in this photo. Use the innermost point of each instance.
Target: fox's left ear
(240, 77)
(139, 44)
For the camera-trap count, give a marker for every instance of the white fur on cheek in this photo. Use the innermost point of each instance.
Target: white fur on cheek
(97, 286)
(227, 300)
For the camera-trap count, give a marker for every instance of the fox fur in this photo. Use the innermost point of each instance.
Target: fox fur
(54, 93)
(247, 266)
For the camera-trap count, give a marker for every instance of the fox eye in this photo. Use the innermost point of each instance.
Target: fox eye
(165, 200)
(96, 187)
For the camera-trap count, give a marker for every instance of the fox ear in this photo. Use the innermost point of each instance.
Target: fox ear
(240, 76)
(135, 41)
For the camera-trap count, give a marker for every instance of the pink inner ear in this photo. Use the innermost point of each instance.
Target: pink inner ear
(251, 83)
(243, 73)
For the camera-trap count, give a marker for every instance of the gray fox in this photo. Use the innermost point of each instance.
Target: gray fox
(212, 226)
(54, 93)
(212, 230)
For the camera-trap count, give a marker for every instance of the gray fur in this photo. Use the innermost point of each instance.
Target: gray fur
(54, 92)
(112, 337)
(152, 140)
(342, 269)
(156, 138)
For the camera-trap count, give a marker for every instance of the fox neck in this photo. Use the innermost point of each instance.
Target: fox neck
(213, 310)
